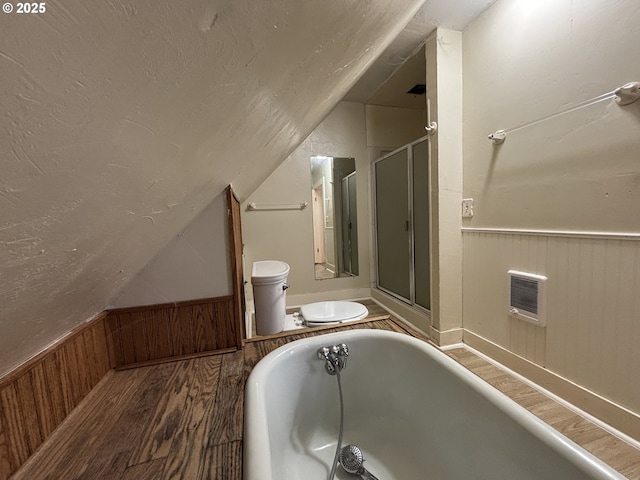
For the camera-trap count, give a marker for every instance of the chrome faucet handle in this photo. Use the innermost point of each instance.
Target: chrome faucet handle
(323, 353)
(335, 357)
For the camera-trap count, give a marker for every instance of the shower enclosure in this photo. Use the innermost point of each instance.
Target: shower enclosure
(402, 220)
(349, 233)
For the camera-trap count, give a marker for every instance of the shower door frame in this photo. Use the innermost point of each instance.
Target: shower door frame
(411, 241)
(348, 260)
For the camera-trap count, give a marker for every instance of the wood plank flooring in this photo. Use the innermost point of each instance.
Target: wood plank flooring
(184, 420)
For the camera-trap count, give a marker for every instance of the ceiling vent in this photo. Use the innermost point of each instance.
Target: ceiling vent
(418, 89)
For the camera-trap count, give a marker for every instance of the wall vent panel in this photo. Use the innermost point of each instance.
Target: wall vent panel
(527, 297)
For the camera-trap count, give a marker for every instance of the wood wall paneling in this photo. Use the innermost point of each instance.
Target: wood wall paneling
(37, 396)
(5, 451)
(141, 335)
(593, 306)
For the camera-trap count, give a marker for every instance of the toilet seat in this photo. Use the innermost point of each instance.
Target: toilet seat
(323, 313)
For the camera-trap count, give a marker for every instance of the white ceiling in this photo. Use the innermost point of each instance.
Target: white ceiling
(393, 92)
(453, 14)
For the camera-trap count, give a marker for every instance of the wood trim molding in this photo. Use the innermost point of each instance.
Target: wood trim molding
(155, 333)
(164, 306)
(555, 233)
(236, 246)
(176, 359)
(38, 395)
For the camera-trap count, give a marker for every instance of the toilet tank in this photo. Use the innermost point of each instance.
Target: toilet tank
(269, 281)
(269, 271)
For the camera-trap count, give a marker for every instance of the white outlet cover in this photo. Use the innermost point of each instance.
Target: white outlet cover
(467, 207)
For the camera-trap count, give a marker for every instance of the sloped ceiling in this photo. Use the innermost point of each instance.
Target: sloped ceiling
(122, 120)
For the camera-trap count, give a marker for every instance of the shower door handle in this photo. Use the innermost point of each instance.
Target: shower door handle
(406, 225)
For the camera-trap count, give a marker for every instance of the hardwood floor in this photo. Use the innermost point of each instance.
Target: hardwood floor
(617, 453)
(184, 419)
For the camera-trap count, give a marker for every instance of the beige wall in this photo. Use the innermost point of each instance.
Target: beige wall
(593, 304)
(392, 127)
(443, 51)
(549, 198)
(444, 93)
(350, 130)
(195, 264)
(287, 235)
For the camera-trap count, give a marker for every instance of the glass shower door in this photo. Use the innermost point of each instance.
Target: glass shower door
(349, 223)
(402, 213)
(392, 224)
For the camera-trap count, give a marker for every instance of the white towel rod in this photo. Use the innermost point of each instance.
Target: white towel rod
(624, 95)
(277, 206)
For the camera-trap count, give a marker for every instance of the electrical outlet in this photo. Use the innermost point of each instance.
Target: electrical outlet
(467, 207)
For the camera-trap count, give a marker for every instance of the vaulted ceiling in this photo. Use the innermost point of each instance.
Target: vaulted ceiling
(123, 120)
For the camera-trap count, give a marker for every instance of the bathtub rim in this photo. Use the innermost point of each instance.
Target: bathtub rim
(256, 436)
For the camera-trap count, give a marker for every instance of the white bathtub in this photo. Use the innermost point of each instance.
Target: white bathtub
(414, 412)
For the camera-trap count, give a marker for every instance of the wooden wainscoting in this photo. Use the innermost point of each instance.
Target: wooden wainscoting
(37, 396)
(156, 333)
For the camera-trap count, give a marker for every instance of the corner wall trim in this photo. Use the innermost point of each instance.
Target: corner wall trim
(236, 252)
(446, 337)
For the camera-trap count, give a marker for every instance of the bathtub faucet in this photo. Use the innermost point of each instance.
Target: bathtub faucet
(335, 357)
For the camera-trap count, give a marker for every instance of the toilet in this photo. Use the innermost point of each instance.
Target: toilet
(325, 313)
(269, 281)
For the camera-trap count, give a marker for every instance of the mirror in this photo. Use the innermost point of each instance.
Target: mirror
(335, 222)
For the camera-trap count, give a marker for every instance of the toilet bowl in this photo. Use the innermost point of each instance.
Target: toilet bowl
(324, 313)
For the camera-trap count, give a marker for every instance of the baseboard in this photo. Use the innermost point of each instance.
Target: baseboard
(38, 395)
(175, 359)
(446, 337)
(346, 294)
(605, 410)
(418, 318)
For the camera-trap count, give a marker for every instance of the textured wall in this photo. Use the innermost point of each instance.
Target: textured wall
(575, 175)
(195, 264)
(525, 61)
(123, 120)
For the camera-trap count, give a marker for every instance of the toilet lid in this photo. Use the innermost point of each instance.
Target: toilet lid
(332, 312)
